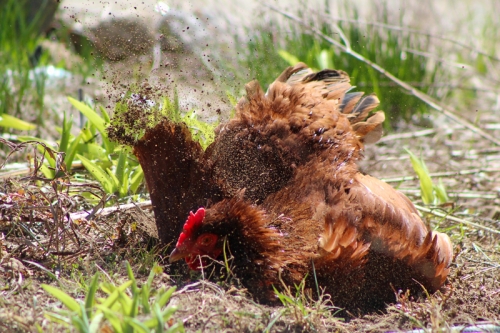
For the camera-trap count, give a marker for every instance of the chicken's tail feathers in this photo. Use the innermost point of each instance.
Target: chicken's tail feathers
(371, 130)
(357, 108)
(339, 243)
(334, 85)
(294, 74)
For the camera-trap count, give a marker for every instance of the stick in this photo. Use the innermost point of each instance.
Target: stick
(441, 174)
(456, 219)
(413, 31)
(110, 210)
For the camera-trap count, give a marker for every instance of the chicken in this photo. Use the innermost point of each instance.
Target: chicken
(263, 154)
(288, 203)
(279, 196)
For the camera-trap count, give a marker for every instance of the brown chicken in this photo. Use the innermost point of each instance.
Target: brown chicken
(285, 200)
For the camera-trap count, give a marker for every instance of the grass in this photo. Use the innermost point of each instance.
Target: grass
(26, 66)
(145, 311)
(44, 242)
(414, 56)
(19, 41)
(278, 46)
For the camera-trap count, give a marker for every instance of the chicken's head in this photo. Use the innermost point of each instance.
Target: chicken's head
(194, 245)
(236, 226)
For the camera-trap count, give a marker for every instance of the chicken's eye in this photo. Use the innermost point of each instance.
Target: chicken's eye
(206, 239)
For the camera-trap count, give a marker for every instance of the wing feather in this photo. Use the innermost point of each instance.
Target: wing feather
(390, 221)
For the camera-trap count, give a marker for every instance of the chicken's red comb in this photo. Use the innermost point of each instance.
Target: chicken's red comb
(193, 221)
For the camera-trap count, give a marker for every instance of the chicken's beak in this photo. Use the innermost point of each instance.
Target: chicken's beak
(177, 255)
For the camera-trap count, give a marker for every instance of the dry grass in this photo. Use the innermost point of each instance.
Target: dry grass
(35, 228)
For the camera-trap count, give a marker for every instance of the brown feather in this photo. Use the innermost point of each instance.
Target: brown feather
(305, 210)
(175, 177)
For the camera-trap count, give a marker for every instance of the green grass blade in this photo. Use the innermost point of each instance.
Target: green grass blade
(64, 298)
(47, 172)
(96, 120)
(137, 325)
(120, 166)
(165, 297)
(112, 318)
(426, 186)
(114, 180)
(92, 150)
(134, 306)
(95, 323)
(131, 276)
(90, 297)
(91, 115)
(49, 273)
(9, 121)
(113, 297)
(126, 303)
(160, 322)
(441, 194)
(66, 133)
(136, 180)
(288, 57)
(104, 114)
(71, 152)
(324, 59)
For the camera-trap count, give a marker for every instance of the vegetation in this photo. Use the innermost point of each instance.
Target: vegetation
(432, 194)
(140, 109)
(18, 44)
(144, 311)
(390, 49)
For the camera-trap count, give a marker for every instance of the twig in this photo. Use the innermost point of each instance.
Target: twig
(434, 85)
(24, 169)
(110, 210)
(434, 57)
(475, 152)
(459, 194)
(468, 276)
(441, 174)
(456, 219)
(187, 288)
(410, 89)
(407, 135)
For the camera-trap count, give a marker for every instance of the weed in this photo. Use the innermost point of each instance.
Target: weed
(432, 194)
(114, 167)
(127, 307)
(140, 110)
(19, 40)
(305, 311)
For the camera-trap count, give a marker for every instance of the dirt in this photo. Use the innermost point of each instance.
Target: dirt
(471, 294)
